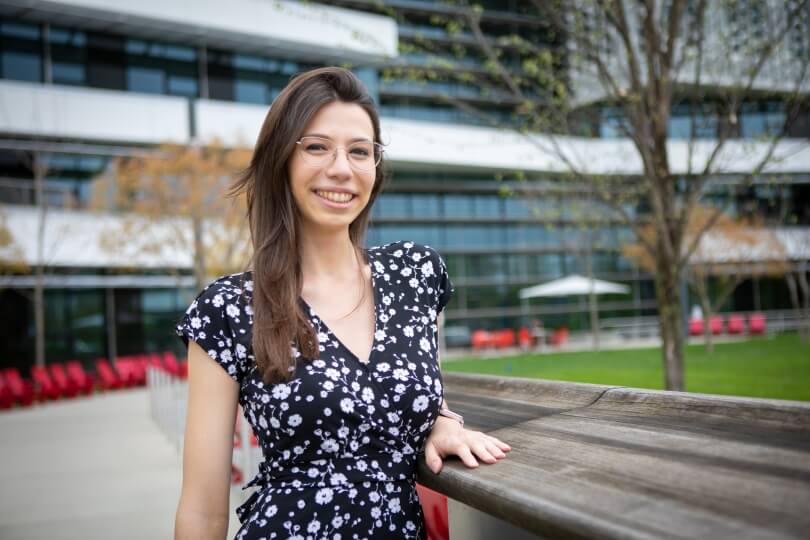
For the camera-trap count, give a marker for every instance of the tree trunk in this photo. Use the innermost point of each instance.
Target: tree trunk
(39, 169)
(671, 325)
(593, 308)
(200, 275)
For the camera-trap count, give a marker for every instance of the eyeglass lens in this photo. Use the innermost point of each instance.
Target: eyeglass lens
(363, 155)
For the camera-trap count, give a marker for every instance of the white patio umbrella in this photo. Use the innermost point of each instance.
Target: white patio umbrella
(576, 286)
(572, 286)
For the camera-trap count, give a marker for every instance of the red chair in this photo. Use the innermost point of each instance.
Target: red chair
(716, 325)
(6, 399)
(44, 387)
(559, 336)
(62, 381)
(434, 508)
(503, 338)
(756, 324)
(525, 339)
(184, 369)
(695, 327)
(84, 383)
(170, 361)
(108, 378)
(21, 390)
(736, 324)
(480, 339)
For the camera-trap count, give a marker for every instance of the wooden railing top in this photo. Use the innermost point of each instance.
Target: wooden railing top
(592, 461)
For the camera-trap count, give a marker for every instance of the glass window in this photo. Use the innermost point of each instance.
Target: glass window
(458, 206)
(426, 205)
(394, 205)
(517, 208)
(487, 206)
(486, 266)
(20, 51)
(161, 68)
(106, 61)
(68, 55)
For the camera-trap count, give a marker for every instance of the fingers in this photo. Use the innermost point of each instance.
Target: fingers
(502, 446)
(466, 456)
(493, 449)
(432, 458)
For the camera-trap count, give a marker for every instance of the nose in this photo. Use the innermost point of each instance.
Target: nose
(340, 166)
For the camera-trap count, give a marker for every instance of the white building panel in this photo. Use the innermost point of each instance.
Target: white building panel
(234, 124)
(299, 29)
(90, 114)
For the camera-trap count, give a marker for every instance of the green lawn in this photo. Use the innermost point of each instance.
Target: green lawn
(773, 367)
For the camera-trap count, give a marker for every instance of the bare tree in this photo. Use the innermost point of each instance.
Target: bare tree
(643, 59)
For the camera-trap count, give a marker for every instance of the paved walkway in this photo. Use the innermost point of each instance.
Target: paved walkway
(88, 468)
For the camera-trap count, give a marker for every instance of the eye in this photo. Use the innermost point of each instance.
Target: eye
(316, 148)
(360, 151)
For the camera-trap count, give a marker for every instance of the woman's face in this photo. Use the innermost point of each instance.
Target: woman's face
(331, 194)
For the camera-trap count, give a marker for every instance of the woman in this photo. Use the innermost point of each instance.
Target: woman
(331, 349)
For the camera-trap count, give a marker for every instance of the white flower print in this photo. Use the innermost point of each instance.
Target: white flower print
(241, 351)
(408, 331)
(401, 374)
(347, 405)
(225, 356)
(333, 374)
(322, 337)
(424, 344)
(393, 505)
(367, 395)
(420, 403)
(294, 420)
(324, 496)
(399, 389)
(382, 367)
(337, 522)
(427, 269)
(196, 323)
(374, 496)
(416, 257)
(217, 300)
(379, 335)
(271, 510)
(249, 285)
(329, 445)
(406, 272)
(314, 526)
(281, 391)
(414, 283)
(232, 311)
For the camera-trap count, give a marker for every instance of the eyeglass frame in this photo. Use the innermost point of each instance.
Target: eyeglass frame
(377, 146)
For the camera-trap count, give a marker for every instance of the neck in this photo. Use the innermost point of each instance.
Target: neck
(327, 255)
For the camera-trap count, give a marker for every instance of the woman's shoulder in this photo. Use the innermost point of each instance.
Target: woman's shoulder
(408, 250)
(230, 289)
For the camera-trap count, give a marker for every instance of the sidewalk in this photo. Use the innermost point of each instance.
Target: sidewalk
(88, 468)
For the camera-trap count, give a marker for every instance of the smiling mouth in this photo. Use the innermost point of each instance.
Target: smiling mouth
(335, 196)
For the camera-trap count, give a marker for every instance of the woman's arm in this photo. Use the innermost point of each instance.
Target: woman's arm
(449, 438)
(208, 448)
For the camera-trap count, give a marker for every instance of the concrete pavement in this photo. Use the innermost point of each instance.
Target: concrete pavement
(88, 468)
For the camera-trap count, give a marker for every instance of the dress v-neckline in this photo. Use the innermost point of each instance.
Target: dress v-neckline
(376, 303)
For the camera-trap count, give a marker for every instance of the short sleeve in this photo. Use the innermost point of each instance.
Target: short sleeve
(444, 287)
(210, 322)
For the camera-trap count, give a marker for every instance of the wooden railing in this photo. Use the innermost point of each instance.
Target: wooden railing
(591, 461)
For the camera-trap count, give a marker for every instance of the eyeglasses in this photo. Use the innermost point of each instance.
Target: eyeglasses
(320, 152)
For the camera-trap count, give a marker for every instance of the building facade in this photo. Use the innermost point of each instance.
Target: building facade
(84, 81)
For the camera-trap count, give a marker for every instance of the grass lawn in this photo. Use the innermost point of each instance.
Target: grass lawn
(771, 367)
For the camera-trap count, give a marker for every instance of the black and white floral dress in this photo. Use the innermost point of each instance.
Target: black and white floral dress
(341, 437)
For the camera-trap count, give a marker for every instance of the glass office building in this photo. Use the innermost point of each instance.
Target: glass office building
(81, 86)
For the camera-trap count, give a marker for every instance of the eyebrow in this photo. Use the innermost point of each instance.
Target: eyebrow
(322, 136)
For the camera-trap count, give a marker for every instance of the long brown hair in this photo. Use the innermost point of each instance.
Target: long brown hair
(279, 321)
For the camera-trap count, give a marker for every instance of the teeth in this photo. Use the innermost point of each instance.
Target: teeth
(334, 196)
